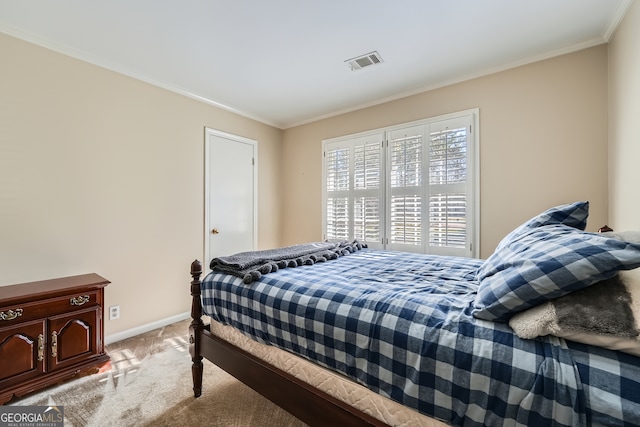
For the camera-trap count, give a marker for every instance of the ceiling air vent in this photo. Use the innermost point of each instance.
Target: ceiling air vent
(363, 61)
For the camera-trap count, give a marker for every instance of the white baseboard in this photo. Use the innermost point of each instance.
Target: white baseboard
(109, 339)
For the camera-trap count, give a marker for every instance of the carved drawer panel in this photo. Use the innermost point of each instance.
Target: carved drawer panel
(73, 336)
(13, 314)
(22, 352)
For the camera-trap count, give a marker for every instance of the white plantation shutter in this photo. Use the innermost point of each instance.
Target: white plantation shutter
(337, 183)
(448, 189)
(406, 220)
(367, 167)
(367, 192)
(416, 193)
(406, 193)
(447, 220)
(338, 169)
(353, 170)
(338, 218)
(366, 219)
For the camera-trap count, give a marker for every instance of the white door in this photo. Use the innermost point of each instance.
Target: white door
(230, 194)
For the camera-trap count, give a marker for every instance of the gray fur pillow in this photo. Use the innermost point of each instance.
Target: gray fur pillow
(606, 314)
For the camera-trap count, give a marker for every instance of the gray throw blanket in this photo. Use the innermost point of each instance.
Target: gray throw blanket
(604, 308)
(250, 266)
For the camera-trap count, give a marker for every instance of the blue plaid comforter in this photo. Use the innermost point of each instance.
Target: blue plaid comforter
(401, 324)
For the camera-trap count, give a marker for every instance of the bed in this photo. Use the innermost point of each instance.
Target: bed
(438, 340)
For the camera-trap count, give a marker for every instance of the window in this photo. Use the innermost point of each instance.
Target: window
(409, 187)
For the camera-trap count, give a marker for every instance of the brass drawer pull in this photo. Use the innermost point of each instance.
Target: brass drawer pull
(40, 348)
(11, 314)
(54, 344)
(79, 300)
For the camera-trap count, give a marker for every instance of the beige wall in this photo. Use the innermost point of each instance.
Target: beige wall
(543, 141)
(103, 173)
(624, 114)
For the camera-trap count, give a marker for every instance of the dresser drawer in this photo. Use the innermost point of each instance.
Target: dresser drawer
(18, 313)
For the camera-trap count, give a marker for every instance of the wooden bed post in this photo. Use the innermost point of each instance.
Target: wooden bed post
(195, 329)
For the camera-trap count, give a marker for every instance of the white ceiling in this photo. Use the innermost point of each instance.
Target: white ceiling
(282, 61)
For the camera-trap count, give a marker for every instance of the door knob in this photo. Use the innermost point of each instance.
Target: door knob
(215, 231)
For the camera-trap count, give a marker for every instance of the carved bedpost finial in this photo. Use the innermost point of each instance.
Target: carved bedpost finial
(196, 306)
(196, 269)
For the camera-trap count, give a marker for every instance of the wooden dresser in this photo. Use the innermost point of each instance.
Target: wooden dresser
(50, 330)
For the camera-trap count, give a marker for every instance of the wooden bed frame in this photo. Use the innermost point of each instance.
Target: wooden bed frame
(304, 401)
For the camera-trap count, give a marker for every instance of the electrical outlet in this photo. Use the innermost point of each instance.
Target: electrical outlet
(114, 312)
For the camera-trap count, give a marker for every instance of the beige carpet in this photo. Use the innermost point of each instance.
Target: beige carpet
(156, 390)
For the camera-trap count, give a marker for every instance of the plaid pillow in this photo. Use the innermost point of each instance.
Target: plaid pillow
(573, 215)
(545, 263)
